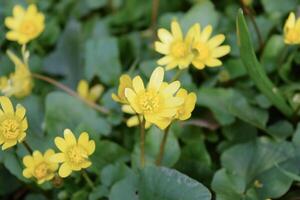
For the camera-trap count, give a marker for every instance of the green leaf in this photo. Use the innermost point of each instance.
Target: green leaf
(102, 60)
(64, 111)
(246, 165)
(67, 60)
(279, 7)
(203, 13)
(161, 183)
(256, 71)
(107, 152)
(232, 104)
(114, 173)
(281, 129)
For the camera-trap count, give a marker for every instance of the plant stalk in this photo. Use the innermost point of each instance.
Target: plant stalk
(162, 147)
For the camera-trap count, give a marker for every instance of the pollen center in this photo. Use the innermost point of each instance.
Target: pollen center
(41, 171)
(9, 129)
(179, 49)
(201, 50)
(77, 154)
(149, 102)
(28, 28)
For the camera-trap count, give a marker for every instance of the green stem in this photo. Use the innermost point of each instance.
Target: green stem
(162, 147)
(155, 6)
(87, 179)
(142, 141)
(27, 147)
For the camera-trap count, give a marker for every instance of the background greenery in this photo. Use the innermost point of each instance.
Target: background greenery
(242, 141)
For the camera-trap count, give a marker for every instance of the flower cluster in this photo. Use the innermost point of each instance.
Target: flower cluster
(158, 103)
(90, 94)
(197, 47)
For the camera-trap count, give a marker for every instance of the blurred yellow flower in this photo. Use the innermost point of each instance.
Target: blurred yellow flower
(134, 120)
(90, 94)
(206, 50)
(24, 25)
(184, 112)
(12, 124)
(20, 82)
(156, 104)
(175, 47)
(74, 154)
(3, 82)
(39, 166)
(291, 30)
(125, 82)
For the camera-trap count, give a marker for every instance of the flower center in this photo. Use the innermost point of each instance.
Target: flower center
(149, 102)
(9, 128)
(28, 27)
(41, 171)
(201, 50)
(179, 49)
(77, 154)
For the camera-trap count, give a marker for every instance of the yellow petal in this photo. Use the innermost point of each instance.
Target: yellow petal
(86, 164)
(128, 109)
(192, 32)
(58, 158)
(69, 137)
(156, 79)
(198, 64)
(95, 92)
(49, 153)
(216, 40)
(291, 21)
(164, 60)
(27, 173)
(21, 137)
(161, 48)
(83, 88)
(91, 147)
(176, 30)
(221, 51)
(171, 88)
(138, 84)
(24, 124)
(83, 139)
(131, 97)
(206, 33)
(28, 161)
(213, 62)
(60, 144)
(37, 156)
(164, 35)
(6, 105)
(64, 170)
(20, 111)
(7, 145)
(132, 121)
(18, 11)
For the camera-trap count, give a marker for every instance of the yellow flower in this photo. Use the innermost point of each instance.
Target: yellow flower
(39, 166)
(155, 103)
(24, 25)
(3, 82)
(206, 50)
(185, 110)
(90, 94)
(175, 47)
(74, 154)
(292, 30)
(134, 120)
(12, 124)
(20, 82)
(125, 82)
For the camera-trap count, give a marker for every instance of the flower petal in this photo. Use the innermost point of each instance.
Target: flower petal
(64, 170)
(20, 111)
(69, 137)
(138, 84)
(6, 105)
(156, 79)
(176, 30)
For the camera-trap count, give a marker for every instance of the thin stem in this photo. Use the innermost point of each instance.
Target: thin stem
(88, 179)
(155, 6)
(142, 141)
(162, 147)
(70, 92)
(248, 12)
(26, 145)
